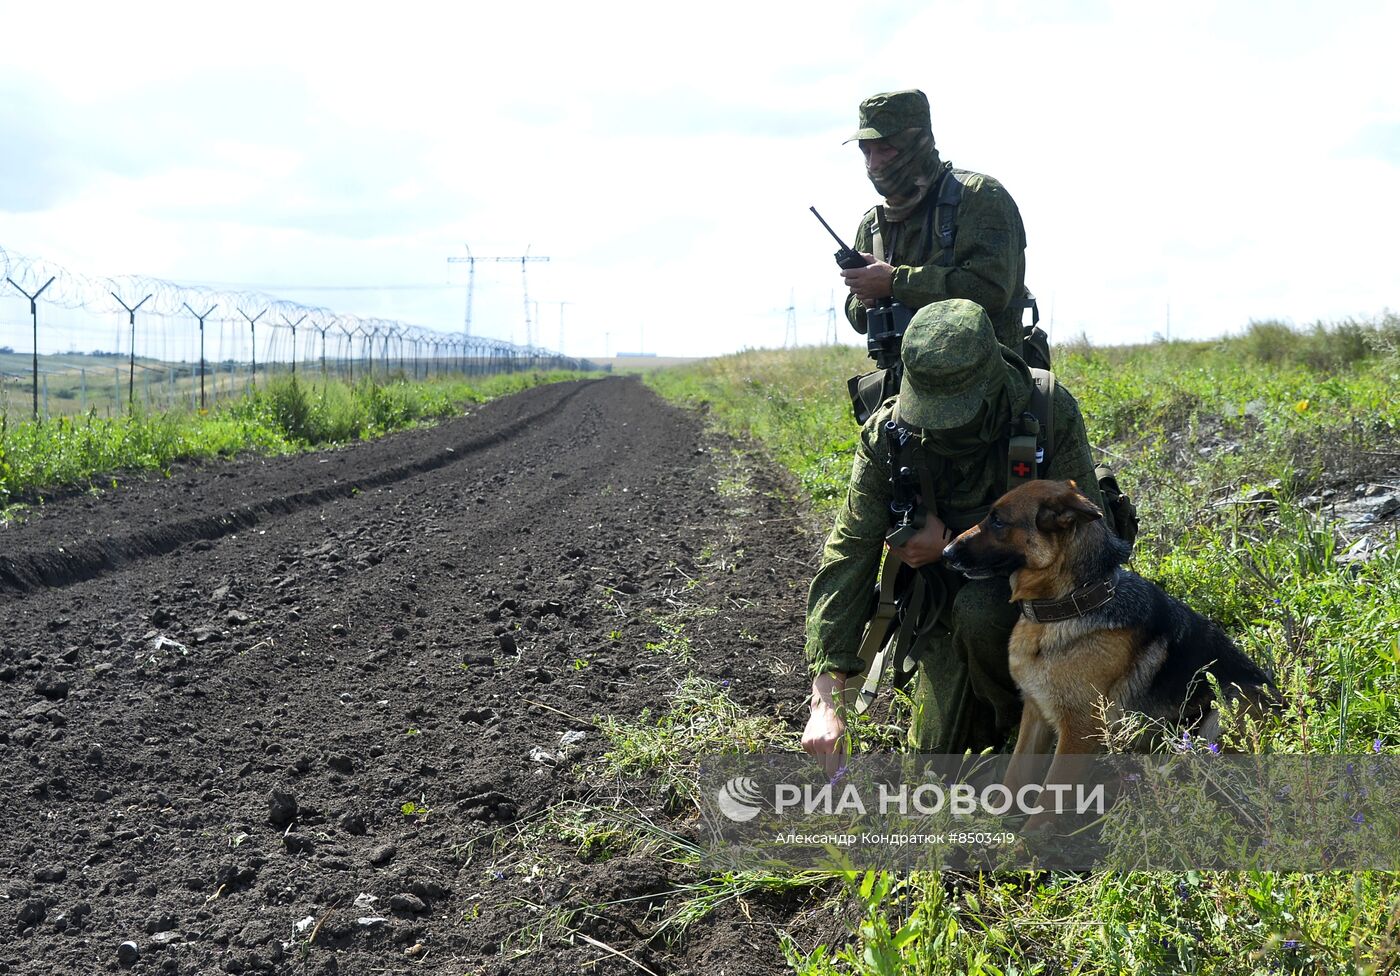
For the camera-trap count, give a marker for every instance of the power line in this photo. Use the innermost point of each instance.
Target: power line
(399, 286)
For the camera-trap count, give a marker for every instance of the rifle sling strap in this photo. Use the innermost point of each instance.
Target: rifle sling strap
(915, 616)
(872, 644)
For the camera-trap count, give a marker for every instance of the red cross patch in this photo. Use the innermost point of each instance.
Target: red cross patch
(1020, 469)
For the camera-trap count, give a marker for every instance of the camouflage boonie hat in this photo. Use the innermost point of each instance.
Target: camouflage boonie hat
(882, 115)
(951, 359)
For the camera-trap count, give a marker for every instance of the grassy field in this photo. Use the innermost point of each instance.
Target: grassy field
(280, 415)
(1226, 447)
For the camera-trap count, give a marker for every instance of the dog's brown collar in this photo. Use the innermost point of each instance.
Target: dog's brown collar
(1083, 600)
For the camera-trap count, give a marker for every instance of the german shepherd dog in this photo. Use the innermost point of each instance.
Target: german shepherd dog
(1092, 632)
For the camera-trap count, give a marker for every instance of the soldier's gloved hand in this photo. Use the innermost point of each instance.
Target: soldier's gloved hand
(870, 282)
(825, 734)
(926, 545)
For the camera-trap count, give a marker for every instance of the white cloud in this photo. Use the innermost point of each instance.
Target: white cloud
(1228, 160)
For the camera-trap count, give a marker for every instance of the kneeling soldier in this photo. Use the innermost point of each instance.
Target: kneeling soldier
(970, 422)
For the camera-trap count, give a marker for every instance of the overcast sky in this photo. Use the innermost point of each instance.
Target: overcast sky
(1227, 160)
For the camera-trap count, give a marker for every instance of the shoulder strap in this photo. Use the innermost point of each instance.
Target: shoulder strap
(1032, 439)
(869, 390)
(877, 234)
(1043, 406)
(944, 214)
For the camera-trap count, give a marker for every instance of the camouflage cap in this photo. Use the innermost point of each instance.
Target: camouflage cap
(951, 361)
(882, 115)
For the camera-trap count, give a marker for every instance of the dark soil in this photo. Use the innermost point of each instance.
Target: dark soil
(219, 689)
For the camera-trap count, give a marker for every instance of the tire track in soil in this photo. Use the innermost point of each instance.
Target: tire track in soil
(362, 650)
(84, 558)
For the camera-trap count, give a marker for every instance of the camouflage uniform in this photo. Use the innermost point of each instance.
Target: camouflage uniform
(988, 264)
(965, 697)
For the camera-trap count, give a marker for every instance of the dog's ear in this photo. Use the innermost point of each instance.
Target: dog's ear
(1066, 509)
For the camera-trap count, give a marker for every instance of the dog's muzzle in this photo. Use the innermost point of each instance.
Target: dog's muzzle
(951, 554)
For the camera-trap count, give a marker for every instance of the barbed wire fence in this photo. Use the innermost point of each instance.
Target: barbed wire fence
(135, 342)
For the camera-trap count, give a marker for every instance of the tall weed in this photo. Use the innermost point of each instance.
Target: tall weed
(284, 414)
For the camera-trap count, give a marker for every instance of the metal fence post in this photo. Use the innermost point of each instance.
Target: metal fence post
(34, 318)
(131, 375)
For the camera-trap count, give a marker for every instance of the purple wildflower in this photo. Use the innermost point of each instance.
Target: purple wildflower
(1376, 746)
(1292, 945)
(1357, 818)
(1214, 747)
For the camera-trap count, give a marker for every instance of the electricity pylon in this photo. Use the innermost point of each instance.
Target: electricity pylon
(470, 261)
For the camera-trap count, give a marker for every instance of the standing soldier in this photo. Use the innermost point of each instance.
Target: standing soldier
(941, 233)
(974, 419)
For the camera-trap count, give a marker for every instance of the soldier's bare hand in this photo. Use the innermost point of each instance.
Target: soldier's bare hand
(870, 282)
(925, 546)
(825, 735)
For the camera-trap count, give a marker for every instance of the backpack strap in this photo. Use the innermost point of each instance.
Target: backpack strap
(1028, 302)
(1032, 436)
(1043, 406)
(944, 215)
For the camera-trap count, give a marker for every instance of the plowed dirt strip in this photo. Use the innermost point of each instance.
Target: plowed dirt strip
(219, 691)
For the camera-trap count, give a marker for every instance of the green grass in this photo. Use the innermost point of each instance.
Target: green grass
(700, 719)
(790, 402)
(279, 416)
(1218, 443)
